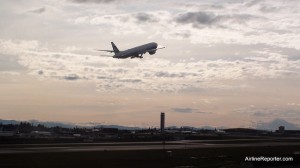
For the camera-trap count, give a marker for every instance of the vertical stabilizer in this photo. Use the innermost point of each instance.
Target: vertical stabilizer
(116, 50)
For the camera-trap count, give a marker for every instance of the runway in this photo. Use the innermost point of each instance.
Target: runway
(123, 146)
(172, 154)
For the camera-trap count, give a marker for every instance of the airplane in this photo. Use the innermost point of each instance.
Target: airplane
(136, 52)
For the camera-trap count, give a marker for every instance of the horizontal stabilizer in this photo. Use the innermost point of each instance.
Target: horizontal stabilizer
(106, 55)
(107, 50)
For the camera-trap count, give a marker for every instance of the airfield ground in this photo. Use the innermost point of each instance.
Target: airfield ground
(183, 154)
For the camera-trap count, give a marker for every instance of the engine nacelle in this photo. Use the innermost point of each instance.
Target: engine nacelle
(152, 52)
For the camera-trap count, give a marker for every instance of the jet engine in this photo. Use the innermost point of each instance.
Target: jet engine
(152, 52)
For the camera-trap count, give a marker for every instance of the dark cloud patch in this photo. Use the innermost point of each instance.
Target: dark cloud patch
(183, 110)
(93, 1)
(217, 6)
(203, 112)
(260, 114)
(121, 70)
(185, 34)
(144, 17)
(252, 3)
(103, 77)
(270, 112)
(294, 57)
(240, 17)
(9, 63)
(40, 72)
(189, 110)
(202, 18)
(269, 9)
(131, 80)
(39, 10)
(173, 75)
(168, 75)
(71, 77)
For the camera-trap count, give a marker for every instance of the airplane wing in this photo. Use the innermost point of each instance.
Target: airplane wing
(155, 49)
(160, 48)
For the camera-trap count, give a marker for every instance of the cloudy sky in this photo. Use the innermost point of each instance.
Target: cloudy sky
(234, 63)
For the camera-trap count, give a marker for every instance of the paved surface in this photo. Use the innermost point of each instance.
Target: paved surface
(77, 147)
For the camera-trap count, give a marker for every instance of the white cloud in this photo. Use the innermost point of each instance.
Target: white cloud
(270, 112)
(153, 74)
(17, 47)
(293, 104)
(228, 50)
(124, 23)
(270, 23)
(205, 22)
(10, 73)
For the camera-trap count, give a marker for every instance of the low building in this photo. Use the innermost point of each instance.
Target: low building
(7, 133)
(40, 134)
(245, 131)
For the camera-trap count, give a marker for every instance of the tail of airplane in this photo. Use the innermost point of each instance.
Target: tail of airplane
(116, 50)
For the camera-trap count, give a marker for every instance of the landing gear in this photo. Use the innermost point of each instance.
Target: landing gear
(141, 56)
(137, 56)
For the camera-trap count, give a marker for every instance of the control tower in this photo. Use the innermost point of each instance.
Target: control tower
(162, 122)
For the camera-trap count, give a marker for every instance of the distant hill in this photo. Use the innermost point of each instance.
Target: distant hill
(66, 125)
(91, 125)
(53, 124)
(36, 122)
(6, 122)
(273, 125)
(195, 128)
(117, 126)
(207, 128)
